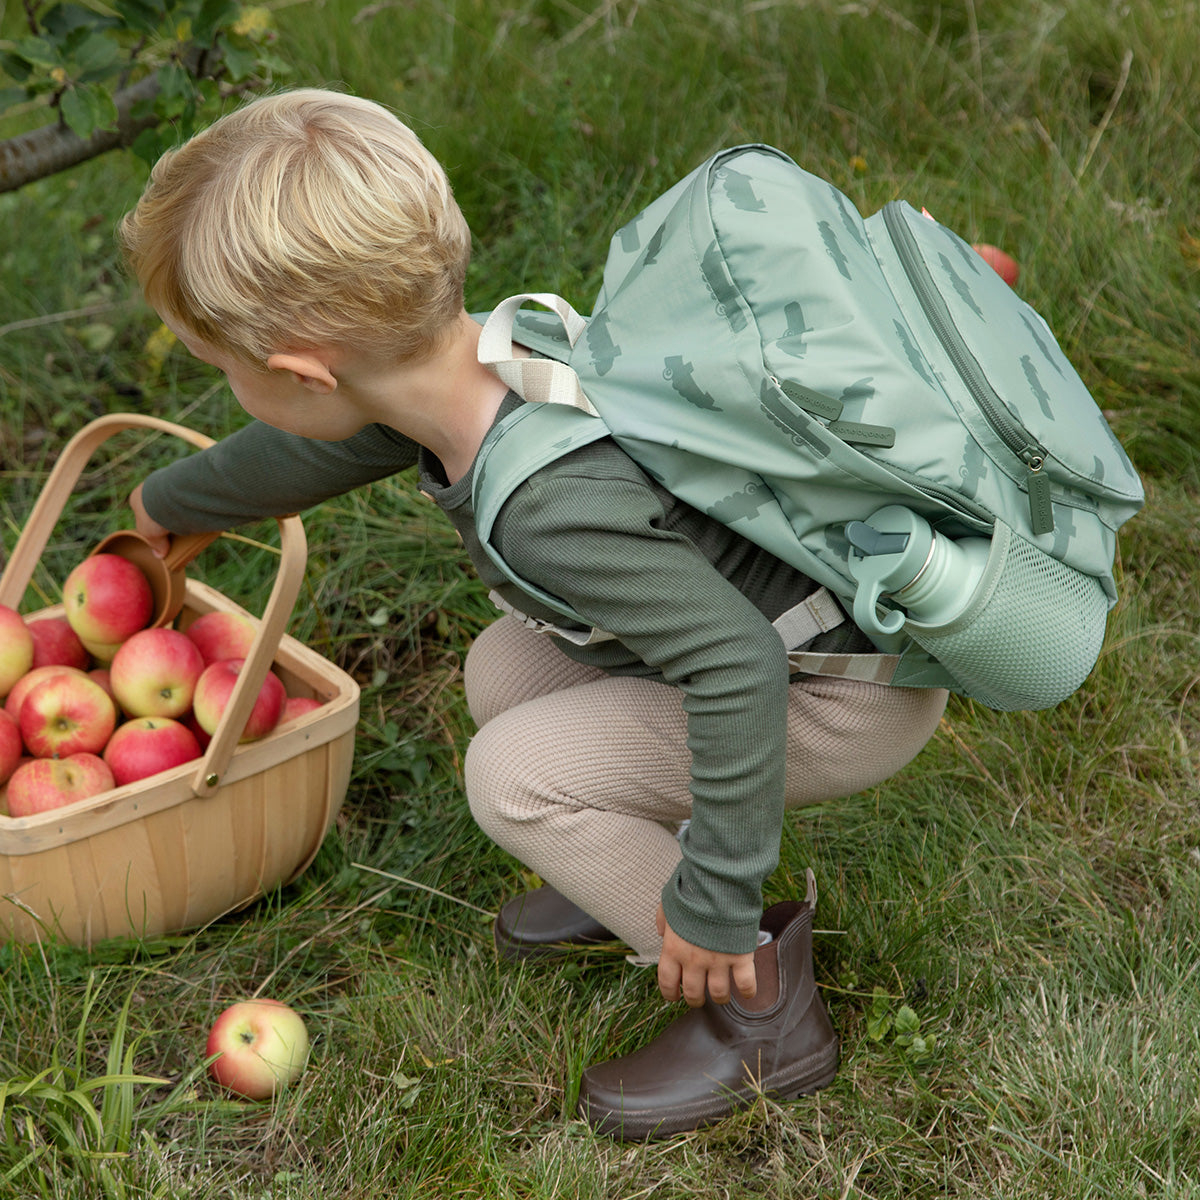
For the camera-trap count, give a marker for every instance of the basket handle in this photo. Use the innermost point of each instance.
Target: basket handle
(293, 558)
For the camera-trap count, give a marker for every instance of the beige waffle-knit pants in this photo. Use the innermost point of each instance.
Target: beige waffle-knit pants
(584, 776)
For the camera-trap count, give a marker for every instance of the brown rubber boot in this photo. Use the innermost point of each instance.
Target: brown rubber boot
(717, 1057)
(542, 923)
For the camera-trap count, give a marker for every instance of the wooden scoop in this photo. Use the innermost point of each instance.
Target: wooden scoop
(166, 575)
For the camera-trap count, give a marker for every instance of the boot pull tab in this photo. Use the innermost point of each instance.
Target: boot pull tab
(811, 897)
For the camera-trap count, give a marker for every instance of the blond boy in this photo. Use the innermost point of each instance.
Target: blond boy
(309, 247)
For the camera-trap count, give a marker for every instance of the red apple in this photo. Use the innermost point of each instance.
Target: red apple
(154, 673)
(221, 635)
(297, 706)
(202, 736)
(26, 684)
(263, 1046)
(103, 677)
(1003, 264)
(11, 746)
(16, 648)
(106, 600)
(147, 745)
(45, 783)
(56, 644)
(214, 688)
(67, 714)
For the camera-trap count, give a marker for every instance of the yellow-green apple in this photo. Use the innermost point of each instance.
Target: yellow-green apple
(145, 746)
(297, 706)
(154, 673)
(11, 746)
(16, 648)
(215, 686)
(262, 1044)
(41, 784)
(106, 599)
(221, 635)
(67, 714)
(26, 684)
(56, 644)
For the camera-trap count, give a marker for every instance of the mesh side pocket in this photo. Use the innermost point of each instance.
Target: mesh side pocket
(1030, 635)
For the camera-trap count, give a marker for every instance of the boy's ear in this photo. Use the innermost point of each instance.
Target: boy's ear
(309, 367)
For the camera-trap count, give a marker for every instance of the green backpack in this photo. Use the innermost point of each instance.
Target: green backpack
(825, 385)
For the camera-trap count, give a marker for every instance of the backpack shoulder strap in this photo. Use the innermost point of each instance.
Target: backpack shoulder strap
(524, 442)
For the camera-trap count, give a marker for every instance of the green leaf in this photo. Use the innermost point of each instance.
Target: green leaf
(77, 112)
(907, 1021)
(213, 17)
(878, 1025)
(242, 64)
(38, 52)
(97, 53)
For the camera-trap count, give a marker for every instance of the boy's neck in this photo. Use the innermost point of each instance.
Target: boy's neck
(446, 403)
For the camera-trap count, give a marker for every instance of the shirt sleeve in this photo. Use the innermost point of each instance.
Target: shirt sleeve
(602, 545)
(260, 471)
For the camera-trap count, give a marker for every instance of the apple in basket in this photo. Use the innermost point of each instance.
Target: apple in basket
(67, 714)
(107, 599)
(219, 635)
(16, 648)
(262, 1044)
(215, 687)
(145, 746)
(41, 784)
(11, 746)
(297, 706)
(26, 684)
(154, 673)
(56, 644)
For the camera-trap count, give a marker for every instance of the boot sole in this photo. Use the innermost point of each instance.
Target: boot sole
(801, 1079)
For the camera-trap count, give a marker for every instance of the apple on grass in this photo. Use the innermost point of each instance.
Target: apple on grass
(215, 687)
(11, 746)
(56, 644)
(67, 714)
(154, 673)
(16, 648)
(1003, 264)
(107, 599)
(262, 1044)
(220, 635)
(41, 784)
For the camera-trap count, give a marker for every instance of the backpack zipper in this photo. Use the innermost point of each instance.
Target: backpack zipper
(1014, 435)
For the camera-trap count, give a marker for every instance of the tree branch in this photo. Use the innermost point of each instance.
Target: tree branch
(53, 147)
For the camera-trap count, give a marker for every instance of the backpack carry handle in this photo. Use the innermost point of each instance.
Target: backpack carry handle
(544, 380)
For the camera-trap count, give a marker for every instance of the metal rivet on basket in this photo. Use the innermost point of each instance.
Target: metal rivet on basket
(213, 779)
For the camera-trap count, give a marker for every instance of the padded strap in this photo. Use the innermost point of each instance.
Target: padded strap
(867, 668)
(537, 379)
(816, 614)
(580, 637)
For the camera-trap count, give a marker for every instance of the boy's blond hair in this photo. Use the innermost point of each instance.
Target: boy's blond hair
(304, 219)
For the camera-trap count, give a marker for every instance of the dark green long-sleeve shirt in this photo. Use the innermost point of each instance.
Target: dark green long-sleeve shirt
(689, 601)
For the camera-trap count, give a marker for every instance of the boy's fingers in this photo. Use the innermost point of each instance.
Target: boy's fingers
(669, 975)
(744, 977)
(695, 980)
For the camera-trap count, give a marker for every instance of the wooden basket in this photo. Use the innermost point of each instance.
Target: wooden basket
(179, 849)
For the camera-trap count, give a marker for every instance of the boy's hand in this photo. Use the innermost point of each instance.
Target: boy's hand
(157, 535)
(691, 970)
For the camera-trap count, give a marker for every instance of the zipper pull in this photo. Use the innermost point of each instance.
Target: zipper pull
(1041, 510)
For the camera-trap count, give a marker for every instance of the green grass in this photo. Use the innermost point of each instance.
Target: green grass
(1026, 893)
